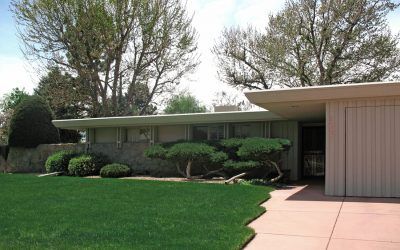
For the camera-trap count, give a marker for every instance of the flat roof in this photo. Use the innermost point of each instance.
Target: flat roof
(308, 103)
(173, 119)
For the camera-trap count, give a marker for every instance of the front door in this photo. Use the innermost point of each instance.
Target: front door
(313, 156)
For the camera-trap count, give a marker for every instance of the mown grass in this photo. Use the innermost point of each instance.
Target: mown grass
(76, 213)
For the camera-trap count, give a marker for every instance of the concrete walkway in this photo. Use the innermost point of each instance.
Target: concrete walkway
(302, 217)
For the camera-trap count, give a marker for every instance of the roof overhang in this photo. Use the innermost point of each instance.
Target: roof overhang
(176, 119)
(308, 103)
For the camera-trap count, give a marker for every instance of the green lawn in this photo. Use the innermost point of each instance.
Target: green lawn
(69, 212)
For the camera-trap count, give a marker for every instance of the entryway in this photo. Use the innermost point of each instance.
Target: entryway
(313, 151)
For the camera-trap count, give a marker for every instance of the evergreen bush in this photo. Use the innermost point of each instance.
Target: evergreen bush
(115, 170)
(58, 162)
(31, 124)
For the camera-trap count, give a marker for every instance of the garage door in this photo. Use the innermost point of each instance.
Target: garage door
(373, 151)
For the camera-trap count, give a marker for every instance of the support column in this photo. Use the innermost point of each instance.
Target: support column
(226, 130)
(89, 138)
(152, 132)
(119, 138)
(267, 129)
(187, 132)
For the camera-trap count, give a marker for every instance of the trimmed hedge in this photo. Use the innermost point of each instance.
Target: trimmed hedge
(156, 152)
(241, 165)
(115, 170)
(190, 151)
(31, 124)
(218, 157)
(232, 143)
(261, 148)
(230, 155)
(58, 162)
(87, 164)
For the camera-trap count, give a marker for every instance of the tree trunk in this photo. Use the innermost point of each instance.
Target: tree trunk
(235, 177)
(280, 173)
(189, 169)
(180, 170)
(115, 92)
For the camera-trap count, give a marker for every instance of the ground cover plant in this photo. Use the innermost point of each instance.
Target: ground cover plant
(76, 213)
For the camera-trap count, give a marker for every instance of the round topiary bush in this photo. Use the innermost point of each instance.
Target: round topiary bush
(31, 124)
(115, 170)
(87, 164)
(58, 162)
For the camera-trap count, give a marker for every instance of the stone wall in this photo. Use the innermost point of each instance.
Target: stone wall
(132, 154)
(32, 160)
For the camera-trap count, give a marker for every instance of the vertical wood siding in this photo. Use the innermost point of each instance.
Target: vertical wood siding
(363, 140)
(288, 130)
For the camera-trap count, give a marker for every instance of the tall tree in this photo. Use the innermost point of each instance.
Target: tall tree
(313, 42)
(114, 47)
(67, 98)
(184, 103)
(7, 106)
(64, 94)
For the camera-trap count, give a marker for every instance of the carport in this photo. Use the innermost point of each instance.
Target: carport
(362, 132)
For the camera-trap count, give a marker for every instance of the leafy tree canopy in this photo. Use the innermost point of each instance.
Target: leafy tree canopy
(12, 99)
(65, 95)
(312, 42)
(7, 105)
(184, 103)
(67, 98)
(117, 49)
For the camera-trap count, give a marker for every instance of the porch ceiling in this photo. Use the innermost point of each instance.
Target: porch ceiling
(308, 104)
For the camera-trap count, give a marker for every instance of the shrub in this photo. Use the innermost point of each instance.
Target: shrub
(100, 160)
(256, 152)
(156, 152)
(87, 164)
(232, 143)
(218, 157)
(189, 154)
(231, 146)
(115, 170)
(31, 124)
(58, 162)
(241, 165)
(188, 151)
(260, 149)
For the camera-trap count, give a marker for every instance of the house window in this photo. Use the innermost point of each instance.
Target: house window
(200, 133)
(241, 130)
(137, 134)
(208, 132)
(244, 130)
(216, 132)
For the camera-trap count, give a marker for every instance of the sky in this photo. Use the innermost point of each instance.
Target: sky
(210, 17)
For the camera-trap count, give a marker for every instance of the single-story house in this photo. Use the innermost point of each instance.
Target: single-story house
(348, 134)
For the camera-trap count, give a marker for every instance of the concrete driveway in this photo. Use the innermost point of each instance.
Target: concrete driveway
(301, 217)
